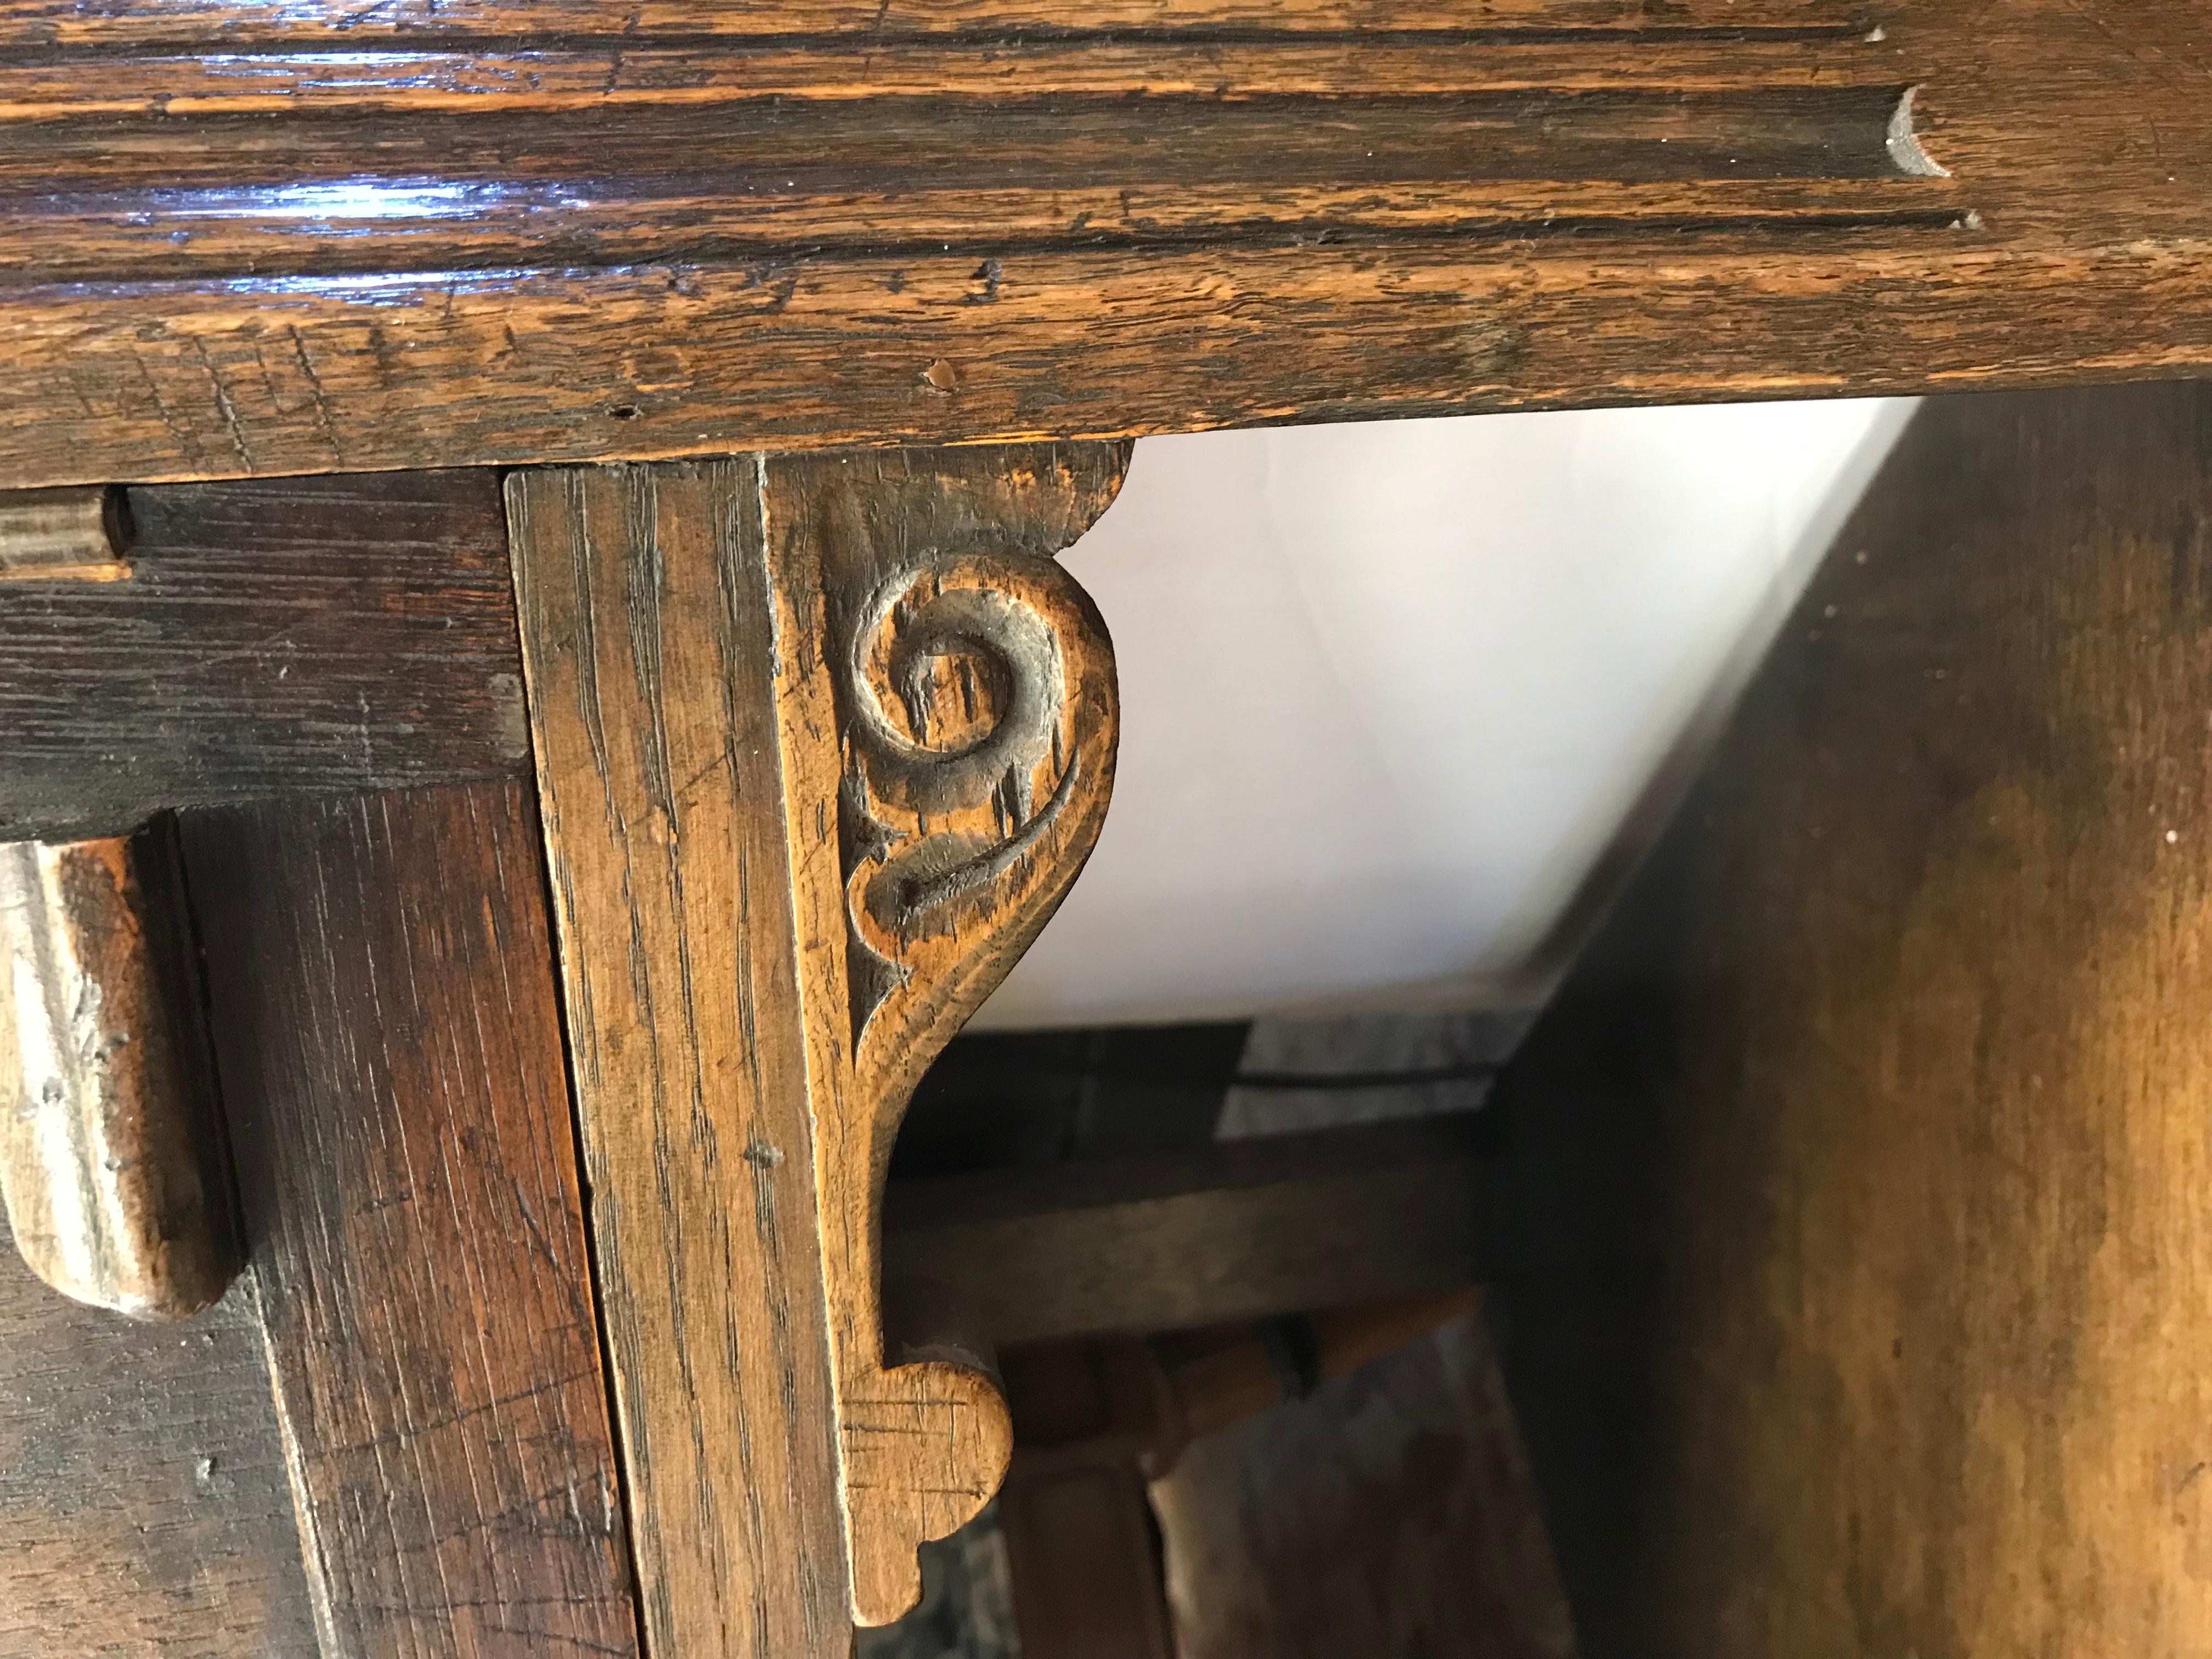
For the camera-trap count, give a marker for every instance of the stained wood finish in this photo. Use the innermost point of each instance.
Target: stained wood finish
(383, 1003)
(1243, 1231)
(340, 634)
(549, 231)
(110, 1151)
(1857, 1301)
(851, 704)
(55, 23)
(143, 1491)
(62, 535)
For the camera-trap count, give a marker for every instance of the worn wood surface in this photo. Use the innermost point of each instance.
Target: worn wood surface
(335, 634)
(76, 533)
(143, 1503)
(538, 231)
(850, 704)
(1390, 1513)
(112, 1157)
(1855, 1274)
(1243, 1231)
(382, 997)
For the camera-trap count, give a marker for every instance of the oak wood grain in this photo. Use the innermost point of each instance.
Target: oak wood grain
(821, 743)
(112, 1159)
(576, 246)
(382, 998)
(1855, 1285)
(330, 634)
(59, 22)
(143, 1491)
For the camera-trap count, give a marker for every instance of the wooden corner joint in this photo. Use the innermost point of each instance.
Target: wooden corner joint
(823, 741)
(109, 1154)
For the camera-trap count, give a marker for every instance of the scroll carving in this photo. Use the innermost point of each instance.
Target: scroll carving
(821, 741)
(975, 701)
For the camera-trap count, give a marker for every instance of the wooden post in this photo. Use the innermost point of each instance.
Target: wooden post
(821, 744)
(107, 1154)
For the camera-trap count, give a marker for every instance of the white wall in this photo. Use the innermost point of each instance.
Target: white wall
(1388, 689)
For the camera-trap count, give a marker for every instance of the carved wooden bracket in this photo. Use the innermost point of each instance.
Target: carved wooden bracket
(822, 742)
(108, 1157)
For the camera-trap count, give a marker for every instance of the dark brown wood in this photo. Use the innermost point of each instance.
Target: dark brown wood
(383, 1003)
(338, 634)
(144, 1500)
(1854, 1276)
(698, 228)
(72, 534)
(822, 742)
(1246, 1230)
(112, 1164)
(1085, 1562)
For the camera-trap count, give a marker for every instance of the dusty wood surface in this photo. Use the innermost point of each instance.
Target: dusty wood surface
(339, 633)
(1390, 1513)
(143, 1493)
(76, 533)
(383, 1002)
(578, 231)
(1858, 1296)
(111, 1155)
(1243, 1231)
(850, 704)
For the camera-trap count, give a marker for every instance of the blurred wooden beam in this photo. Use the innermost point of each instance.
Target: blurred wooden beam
(1244, 1229)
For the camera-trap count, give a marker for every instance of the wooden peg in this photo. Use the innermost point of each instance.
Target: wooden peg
(77, 533)
(107, 1158)
(822, 742)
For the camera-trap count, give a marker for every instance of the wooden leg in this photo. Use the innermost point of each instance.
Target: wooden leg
(821, 743)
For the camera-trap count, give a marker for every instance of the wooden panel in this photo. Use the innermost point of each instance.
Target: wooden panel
(849, 703)
(118, 1188)
(143, 1493)
(382, 997)
(1857, 1278)
(1390, 1513)
(1243, 1231)
(342, 634)
(570, 246)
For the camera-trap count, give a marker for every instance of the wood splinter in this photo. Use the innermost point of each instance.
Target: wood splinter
(822, 742)
(107, 1158)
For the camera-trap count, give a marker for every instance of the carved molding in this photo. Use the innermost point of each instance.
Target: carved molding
(109, 1161)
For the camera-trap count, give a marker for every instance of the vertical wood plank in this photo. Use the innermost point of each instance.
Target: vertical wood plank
(648, 641)
(384, 1012)
(1859, 1277)
(144, 1509)
(821, 744)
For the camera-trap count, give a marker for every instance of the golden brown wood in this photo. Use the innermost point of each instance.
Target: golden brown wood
(821, 744)
(109, 1150)
(1858, 1296)
(712, 227)
(71, 534)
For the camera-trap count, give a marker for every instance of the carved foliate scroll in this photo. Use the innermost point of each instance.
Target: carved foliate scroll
(972, 701)
(821, 742)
